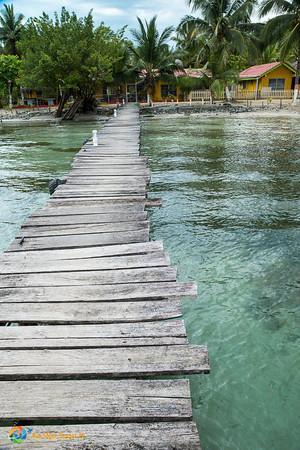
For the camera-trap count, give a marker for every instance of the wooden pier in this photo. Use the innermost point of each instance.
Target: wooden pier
(87, 352)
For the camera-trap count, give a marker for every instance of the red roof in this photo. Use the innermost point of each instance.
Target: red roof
(258, 71)
(192, 73)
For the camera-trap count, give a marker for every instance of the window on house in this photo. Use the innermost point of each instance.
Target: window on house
(244, 84)
(168, 89)
(276, 84)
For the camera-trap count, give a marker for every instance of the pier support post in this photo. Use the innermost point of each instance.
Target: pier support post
(95, 138)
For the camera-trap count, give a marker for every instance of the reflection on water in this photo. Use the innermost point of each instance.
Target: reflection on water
(30, 157)
(231, 193)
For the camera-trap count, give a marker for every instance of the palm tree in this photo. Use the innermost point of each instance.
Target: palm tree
(10, 29)
(191, 45)
(227, 29)
(284, 29)
(152, 56)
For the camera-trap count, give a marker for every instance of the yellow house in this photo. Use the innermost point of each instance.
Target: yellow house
(264, 78)
(170, 91)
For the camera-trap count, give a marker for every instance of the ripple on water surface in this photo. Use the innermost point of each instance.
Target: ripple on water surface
(30, 157)
(231, 222)
(231, 193)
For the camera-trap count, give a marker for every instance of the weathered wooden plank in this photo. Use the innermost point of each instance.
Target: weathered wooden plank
(90, 342)
(119, 136)
(114, 436)
(122, 132)
(88, 313)
(112, 143)
(131, 180)
(119, 340)
(105, 195)
(108, 138)
(131, 205)
(105, 160)
(100, 190)
(103, 293)
(92, 277)
(108, 153)
(105, 187)
(110, 161)
(131, 146)
(85, 219)
(65, 207)
(110, 171)
(42, 265)
(98, 183)
(97, 336)
(76, 241)
(102, 362)
(75, 401)
(104, 150)
(83, 253)
(78, 229)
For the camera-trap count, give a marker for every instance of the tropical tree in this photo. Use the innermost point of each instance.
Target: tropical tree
(68, 55)
(10, 67)
(226, 29)
(11, 26)
(188, 84)
(191, 45)
(284, 29)
(152, 57)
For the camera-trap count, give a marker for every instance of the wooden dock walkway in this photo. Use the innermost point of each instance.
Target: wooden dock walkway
(85, 298)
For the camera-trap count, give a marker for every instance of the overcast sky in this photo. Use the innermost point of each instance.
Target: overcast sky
(115, 13)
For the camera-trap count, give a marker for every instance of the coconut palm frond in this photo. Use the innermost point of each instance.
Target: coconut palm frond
(290, 41)
(276, 6)
(11, 26)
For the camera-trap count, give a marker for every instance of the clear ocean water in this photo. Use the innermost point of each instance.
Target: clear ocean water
(230, 221)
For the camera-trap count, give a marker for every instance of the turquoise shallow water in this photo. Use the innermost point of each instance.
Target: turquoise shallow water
(30, 156)
(231, 222)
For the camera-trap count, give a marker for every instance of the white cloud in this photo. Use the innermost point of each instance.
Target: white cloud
(115, 13)
(104, 10)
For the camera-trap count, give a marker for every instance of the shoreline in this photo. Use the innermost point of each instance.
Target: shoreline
(43, 119)
(167, 111)
(271, 114)
(219, 110)
(222, 114)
